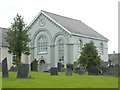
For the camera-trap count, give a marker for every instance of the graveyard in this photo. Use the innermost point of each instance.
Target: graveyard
(45, 80)
(55, 78)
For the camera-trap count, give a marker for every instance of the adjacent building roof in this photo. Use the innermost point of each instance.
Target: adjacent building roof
(75, 26)
(114, 58)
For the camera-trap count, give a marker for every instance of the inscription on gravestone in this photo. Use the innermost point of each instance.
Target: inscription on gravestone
(23, 71)
(4, 68)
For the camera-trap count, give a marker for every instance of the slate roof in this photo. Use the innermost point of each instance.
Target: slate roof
(2, 36)
(75, 26)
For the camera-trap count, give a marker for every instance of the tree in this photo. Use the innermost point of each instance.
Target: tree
(89, 56)
(17, 38)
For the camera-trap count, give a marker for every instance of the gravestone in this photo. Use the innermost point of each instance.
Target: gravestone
(0, 67)
(4, 68)
(103, 69)
(59, 67)
(93, 71)
(112, 71)
(53, 71)
(80, 71)
(75, 65)
(119, 71)
(13, 68)
(69, 72)
(34, 65)
(63, 69)
(23, 71)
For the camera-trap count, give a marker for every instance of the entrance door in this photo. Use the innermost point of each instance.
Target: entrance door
(42, 65)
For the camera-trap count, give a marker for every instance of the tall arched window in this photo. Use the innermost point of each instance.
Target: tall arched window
(101, 48)
(61, 49)
(42, 44)
(80, 45)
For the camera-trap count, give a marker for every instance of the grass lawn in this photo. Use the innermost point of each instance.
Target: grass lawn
(0, 80)
(44, 80)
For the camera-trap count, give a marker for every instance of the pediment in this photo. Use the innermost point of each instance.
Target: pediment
(41, 20)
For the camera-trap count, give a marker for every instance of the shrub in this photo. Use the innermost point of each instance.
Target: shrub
(69, 66)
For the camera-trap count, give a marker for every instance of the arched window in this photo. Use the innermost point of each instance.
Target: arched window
(80, 45)
(101, 48)
(42, 44)
(61, 49)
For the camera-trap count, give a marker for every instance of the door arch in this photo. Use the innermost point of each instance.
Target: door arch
(42, 65)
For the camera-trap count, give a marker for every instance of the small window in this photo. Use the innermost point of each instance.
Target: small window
(80, 45)
(101, 48)
(14, 58)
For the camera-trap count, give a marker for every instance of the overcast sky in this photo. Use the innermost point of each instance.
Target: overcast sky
(101, 15)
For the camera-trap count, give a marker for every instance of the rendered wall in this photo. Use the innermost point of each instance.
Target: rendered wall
(53, 32)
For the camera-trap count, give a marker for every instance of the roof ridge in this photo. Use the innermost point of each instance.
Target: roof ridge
(63, 16)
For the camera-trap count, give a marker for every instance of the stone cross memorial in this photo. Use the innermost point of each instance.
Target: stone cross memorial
(23, 71)
(4, 68)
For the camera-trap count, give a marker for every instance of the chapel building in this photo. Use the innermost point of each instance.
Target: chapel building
(56, 38)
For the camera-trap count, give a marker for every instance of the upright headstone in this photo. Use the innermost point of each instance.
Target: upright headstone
(93, 71)
(23, 71)
(4, 68)
(75, 65)
(69, 72)
(34, 65)
(53, 71)
(13, 68)
(0, 67)
(80, 71)
(112, 71)
(59, 67)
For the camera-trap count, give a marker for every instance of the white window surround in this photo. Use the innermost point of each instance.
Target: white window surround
(42, 52)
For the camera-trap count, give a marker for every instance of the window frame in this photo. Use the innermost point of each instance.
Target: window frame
(61, 49)
(80, 45)
(102, 48)
(42, 44)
